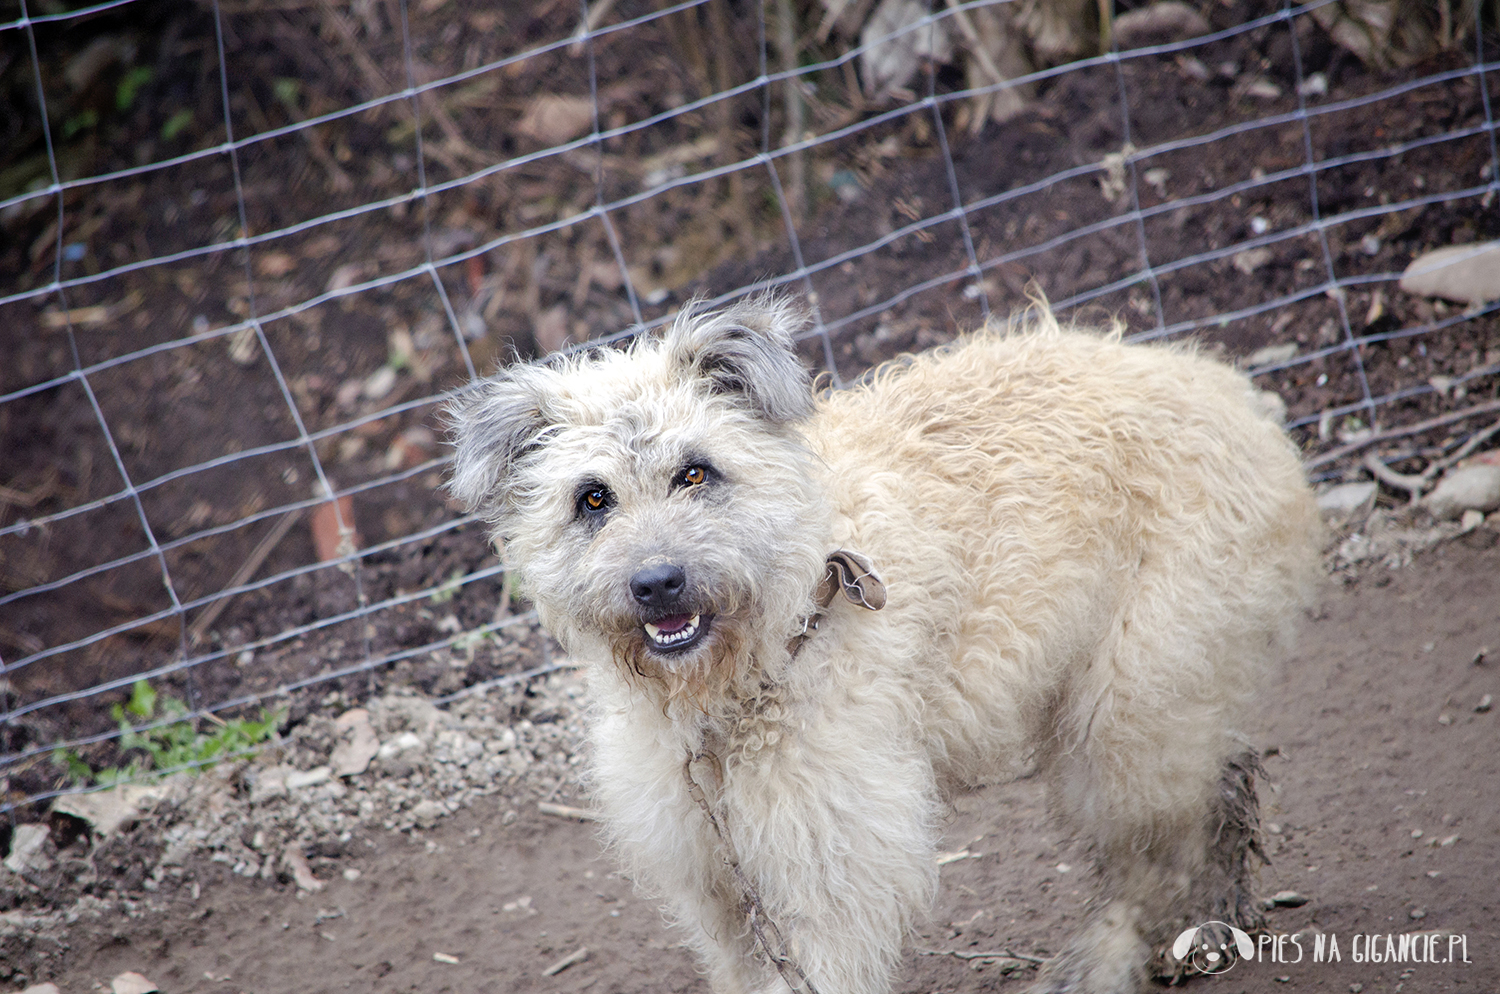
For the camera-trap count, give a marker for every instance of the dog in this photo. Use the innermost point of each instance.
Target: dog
(811, 619)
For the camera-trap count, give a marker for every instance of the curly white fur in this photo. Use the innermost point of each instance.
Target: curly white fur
(1092, 551)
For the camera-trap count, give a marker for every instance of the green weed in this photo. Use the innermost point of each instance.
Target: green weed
(169, 746)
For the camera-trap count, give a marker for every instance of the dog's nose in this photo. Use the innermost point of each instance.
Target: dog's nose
(658, 586)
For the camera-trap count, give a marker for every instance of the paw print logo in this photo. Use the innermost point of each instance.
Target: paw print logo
(1213, 947)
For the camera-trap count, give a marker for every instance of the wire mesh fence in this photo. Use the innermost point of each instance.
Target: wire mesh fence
(251, 246)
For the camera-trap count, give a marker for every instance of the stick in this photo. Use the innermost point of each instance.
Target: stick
(564, 811)
(576, 956)
(243, 574)
(1002, 954)
(1419, 427)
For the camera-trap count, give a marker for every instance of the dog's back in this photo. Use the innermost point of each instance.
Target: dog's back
(1075, 521)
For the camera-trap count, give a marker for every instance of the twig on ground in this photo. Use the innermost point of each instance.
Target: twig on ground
(1412, 484)
(1415, 484)
(567, 811)
(1001, 954)
(1334, 455)
(576, 956)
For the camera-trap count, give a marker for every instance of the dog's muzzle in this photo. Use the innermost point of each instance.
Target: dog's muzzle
(668, 621)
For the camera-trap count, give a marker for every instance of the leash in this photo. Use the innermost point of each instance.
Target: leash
(750, 903)
(853, 575)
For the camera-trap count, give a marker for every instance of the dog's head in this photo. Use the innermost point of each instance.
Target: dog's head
(656, 501)
(1213, 947)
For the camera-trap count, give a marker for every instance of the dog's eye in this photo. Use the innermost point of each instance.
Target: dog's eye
(693, 476)
(594, 499)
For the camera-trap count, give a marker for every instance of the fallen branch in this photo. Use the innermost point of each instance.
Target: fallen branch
(1344, 450)
(1002, 954)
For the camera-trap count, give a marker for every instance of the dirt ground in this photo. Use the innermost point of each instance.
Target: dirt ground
(1372, 735)
(1373, 729)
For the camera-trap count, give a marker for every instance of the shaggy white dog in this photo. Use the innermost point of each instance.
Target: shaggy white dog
(810, 620)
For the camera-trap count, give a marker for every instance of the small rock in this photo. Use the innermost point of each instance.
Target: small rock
(352, 874)
(309, 778)
(444, 958)
(132, 983)
(1271, 354)
(302, 874)
(1471, 520)
(1417, 914)
(1469, 485)
(1468, 274)
(1448, 841)
(1445, 719)
(426, 813)
(357, 743)
(1356, 988)
(1416, 833)
(1262, 89)
(554, 118)
(1288, 899)
(380, 383)
(1315, 85)
(269, 783)
(42, 989)
(1250, 260)
(26, 849)
(1347, 498)
(347, 275)
(107, 811)
(1485, 703)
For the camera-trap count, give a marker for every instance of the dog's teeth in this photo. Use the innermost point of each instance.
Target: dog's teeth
(682, 634)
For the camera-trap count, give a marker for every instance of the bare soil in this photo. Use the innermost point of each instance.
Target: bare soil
(1372, 736)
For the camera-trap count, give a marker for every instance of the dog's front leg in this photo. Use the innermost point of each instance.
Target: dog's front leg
(834, 828)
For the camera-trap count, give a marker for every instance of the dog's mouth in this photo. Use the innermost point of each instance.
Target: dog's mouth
(676, 632)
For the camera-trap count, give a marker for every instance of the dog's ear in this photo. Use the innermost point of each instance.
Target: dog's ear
(1183, 943)
(1243, 943)
(491, 426)
(747, 350)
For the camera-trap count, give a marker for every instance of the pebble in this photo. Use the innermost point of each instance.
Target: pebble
(1473, 485)
(379, 383)
(1347, 498)
(1271, 355)
(426, 813)
(1485, 703)
(358, 743)
(1467, 274)
(308, 778)
(1288, 899)
(1417, 914)
(132, 983)
(27, 852)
